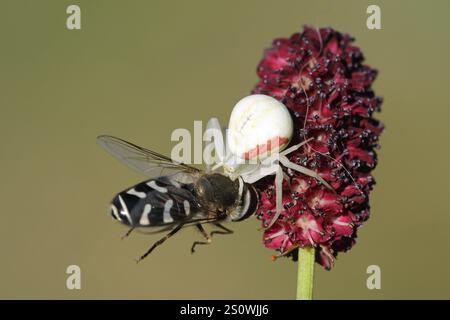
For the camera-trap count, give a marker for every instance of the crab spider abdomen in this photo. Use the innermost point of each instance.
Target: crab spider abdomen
(259, 125)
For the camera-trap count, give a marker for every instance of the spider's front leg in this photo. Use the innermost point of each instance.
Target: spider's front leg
(282, 159)
(216, 143)
(291, 165)
(268, 167)
(278, 194)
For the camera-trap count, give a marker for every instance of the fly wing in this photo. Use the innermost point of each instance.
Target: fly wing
(145, 161)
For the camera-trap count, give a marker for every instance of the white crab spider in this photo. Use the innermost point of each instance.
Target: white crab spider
(259, 130)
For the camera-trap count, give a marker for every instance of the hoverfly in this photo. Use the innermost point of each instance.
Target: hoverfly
(177, 195)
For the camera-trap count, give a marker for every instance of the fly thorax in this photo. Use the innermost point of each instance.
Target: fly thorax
(217, 192)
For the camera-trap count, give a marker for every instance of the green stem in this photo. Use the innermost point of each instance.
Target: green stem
(305, 276)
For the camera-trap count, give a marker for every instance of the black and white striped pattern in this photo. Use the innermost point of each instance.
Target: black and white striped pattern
(248, 203)
(157, 202)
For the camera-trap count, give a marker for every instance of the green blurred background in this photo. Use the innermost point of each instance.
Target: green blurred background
(138, 70)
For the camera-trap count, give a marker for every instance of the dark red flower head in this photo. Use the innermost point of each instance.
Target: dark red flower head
(320, 76)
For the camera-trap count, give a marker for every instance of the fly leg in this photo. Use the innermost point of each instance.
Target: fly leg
(205, 235)
(161, 241)
(128, 233)
(224, 230)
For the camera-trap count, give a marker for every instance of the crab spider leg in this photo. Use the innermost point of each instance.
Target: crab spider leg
(216, 166)
(294, 147)
(266, 167)
(259, 173)
(269, 165)
(278, 195)
(288, 164)
(279, 181)
(214, 132)
(279, 176)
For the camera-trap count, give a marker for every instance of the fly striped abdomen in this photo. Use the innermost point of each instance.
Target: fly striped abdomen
(156, 202)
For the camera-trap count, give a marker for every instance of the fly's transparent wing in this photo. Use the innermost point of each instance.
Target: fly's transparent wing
(145, 161)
